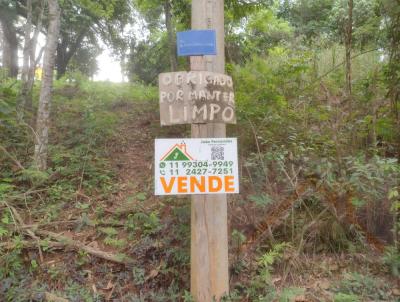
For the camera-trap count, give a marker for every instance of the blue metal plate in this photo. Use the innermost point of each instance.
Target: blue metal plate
(196, 43)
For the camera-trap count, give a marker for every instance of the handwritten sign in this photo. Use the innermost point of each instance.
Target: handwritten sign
(196, 97)
(196, 166)
(196, 43)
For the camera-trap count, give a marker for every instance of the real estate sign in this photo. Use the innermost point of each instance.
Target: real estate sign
(196, 166)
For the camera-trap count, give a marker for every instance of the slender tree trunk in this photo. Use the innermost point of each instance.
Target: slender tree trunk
(123, 65)
(372, 139)
(315, 64)
(10, 45)
(26, 56)
(27, 43)
(348, 46)
(394, 66)
(171, 36)
(61, 68)
(43, 116)
(33, 62)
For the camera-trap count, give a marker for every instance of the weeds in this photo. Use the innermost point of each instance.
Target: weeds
(363, 287)
(392, 259)
(80, 175)
(298, 197)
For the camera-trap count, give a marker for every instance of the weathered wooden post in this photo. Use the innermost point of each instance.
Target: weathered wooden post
(209, 227)
(206, 165)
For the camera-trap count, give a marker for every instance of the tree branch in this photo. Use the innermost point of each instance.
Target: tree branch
(20, 166)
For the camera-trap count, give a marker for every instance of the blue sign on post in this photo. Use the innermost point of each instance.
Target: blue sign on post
(196, 43)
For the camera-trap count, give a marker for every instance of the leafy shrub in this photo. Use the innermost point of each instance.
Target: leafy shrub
(363, 286)
(145, 224)
(392, 259)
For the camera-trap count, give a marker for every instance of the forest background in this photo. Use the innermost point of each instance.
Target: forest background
(317, 86)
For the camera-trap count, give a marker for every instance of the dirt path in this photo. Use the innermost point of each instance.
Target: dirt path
(132, 153)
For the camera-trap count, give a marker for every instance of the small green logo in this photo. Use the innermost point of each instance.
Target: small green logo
(177, 153)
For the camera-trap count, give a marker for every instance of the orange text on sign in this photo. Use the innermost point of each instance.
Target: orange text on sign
(198, 184)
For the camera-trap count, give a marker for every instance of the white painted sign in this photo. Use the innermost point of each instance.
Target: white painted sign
(196, 166)
(196, 97)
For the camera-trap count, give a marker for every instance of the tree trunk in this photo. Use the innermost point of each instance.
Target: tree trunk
(348, 46)
(394, 65)
(171, 36)
(61, 66)
(66, 50)
(10, 44)
(26, 56)
(43, 116)
(33, 62)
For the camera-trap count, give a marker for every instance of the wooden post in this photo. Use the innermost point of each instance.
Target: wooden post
(209, 229)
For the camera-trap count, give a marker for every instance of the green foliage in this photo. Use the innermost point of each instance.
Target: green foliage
(288, 294)
(264, 85)
(373, 180)
(266, 260)
(75, 292)
(361, 287)
(7, 102)
(145, 224)
(98, 8)
(265, 31)
(141, 196)
(187, 297)
(261, 200)
(310, 18)
(5, 187)
(148, 59)
(341, 297)
(12, 262)
(109, 231)
(110, 239)
(297, 130)
(138, 275)
(83, 23)
(80, 175)
(238, 238)
(34, 176)
(366, 20)
(118, 243)
(84, 61)
(82, 258)
(392, 259)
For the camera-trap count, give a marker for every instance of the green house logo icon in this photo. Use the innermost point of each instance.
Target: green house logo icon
(177, 153)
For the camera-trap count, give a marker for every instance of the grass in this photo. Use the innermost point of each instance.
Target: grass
(96, 192)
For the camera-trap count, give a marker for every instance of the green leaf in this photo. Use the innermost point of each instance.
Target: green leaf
(34, 264)
(3, 232)
(109, 231)
(82, 206)
(5, 219)
(34, 175)
(4, 188)
(393, 194)
(358, 203)
(261, 200)
(141, 196)
(45, 244)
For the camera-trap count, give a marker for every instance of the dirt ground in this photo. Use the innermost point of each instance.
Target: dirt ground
(156, 264)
